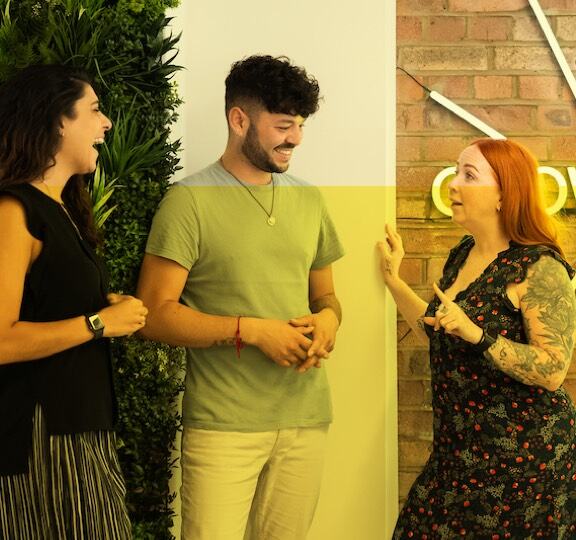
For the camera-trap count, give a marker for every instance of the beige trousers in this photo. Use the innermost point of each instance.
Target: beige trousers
(250, 486)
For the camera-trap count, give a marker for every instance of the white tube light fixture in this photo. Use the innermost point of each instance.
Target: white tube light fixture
(465, 115)
(457, 110)
(553, 42)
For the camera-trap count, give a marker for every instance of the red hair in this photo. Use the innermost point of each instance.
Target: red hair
(523, 213)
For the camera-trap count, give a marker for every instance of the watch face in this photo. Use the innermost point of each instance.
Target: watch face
(96, 322)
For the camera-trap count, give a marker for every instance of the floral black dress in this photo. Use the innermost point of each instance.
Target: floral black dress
(503, 463)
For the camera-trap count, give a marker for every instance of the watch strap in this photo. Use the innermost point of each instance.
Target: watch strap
(94, 324)
(486, 341)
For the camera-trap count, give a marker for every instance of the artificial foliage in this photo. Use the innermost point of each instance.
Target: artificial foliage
(127, 47)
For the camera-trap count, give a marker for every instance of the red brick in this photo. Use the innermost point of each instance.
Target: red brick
(415, 424)
(413, 453)
(570, 54)
(437, 117)
(486, 5)
(407, 90)
(493, 87)
(489, 28)
(451, 86)
(444, 148)
(527, 29)
(416, 178)
(567, 94)
(538, 87)
(434, 269)
(413, 207)
(524, 58)
(506, 118)
(411, 271)
(414, 393)
(445, 29)
(405, 481)
(567, 236)
(558, 4)
(413, 363)
(537, 145)
(570, 386)
(441, 58)
(405, 335)
(563, 148)
(409, 117)
(566, 28)
(428, 241)
(408, 148)
(408, 29)
(555, 117)
(409, 7)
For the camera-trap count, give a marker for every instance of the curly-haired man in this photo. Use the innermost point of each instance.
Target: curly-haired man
(238, 270)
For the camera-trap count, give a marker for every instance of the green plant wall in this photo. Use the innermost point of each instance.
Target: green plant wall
(127, 47)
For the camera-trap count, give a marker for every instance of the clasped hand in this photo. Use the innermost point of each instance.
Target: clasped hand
(324, 327)
(124, 316)
(452, 318)
(301, 342)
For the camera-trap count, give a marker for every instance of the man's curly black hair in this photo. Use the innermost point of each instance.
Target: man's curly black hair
(274, 84)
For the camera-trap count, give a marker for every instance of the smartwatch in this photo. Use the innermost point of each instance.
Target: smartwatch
(95, 324)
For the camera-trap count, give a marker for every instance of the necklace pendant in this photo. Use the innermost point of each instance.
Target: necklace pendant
(271, 221)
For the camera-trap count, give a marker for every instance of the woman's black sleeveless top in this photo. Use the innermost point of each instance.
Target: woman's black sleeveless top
(74, 387)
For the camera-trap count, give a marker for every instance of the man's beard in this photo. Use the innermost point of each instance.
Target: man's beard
(256, 155)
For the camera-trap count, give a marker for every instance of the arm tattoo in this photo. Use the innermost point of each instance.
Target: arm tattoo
(550, 296)
(327, 301)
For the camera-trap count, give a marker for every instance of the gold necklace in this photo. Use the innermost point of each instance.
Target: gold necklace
(46, 188)
(62, 205)
(271, 219)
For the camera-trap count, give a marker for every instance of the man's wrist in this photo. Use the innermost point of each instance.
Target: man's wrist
(328, 301)
(332, 313)
(248, 330)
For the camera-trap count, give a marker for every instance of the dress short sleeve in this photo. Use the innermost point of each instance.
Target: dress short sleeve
(515, 263)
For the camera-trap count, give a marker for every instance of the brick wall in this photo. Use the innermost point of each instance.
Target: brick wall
(491, 57)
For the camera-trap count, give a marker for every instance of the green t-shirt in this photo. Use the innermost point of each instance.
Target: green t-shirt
(240, 265)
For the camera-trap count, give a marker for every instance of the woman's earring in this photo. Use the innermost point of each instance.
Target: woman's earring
(498, 207)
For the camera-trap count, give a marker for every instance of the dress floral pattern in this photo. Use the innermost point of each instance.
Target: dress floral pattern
(503, 463)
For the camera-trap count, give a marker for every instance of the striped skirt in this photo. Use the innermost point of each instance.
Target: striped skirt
(73, 490)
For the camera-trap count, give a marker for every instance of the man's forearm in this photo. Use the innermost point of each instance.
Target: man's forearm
(179, 325)
(327, 301)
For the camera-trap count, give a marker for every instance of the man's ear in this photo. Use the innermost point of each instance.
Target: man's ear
(238, 121)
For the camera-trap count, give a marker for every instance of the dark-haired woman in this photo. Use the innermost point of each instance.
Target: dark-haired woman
(501, 331)
(59, 472)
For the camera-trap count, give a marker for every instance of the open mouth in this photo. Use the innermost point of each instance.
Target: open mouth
(286, 152)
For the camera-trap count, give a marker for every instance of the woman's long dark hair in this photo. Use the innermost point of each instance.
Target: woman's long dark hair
(32, 105)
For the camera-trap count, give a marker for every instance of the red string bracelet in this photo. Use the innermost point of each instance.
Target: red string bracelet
(238, 339)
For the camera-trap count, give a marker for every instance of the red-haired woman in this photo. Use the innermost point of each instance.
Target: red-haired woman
(501, 331)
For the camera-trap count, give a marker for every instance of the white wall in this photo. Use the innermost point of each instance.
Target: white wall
(349, 150)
